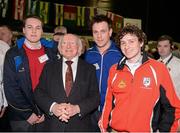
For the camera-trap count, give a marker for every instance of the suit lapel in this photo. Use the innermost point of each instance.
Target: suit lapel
(59, 75)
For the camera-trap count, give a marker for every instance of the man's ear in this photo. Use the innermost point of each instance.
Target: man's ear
(110, 31)
(172, 47)
(23, 30)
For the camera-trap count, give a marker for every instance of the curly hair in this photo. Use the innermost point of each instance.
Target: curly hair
(131, 29)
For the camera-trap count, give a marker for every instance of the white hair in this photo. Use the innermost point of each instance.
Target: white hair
(78, 42)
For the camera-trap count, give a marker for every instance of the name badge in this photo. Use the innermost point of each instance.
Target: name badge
(97, 66)
(43, 58)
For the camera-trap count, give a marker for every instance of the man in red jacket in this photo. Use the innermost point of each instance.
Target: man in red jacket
(140, 95)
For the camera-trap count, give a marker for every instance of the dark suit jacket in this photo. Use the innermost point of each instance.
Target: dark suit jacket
(84, 93)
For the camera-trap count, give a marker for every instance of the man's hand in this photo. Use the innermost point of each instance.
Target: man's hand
(2, 111)
(41, 118)
(72, 109)
(64, 111)
(59, 109)
(33, 119)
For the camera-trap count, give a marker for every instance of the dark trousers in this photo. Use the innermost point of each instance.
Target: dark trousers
(24, 126)
(94, 119)
(4, 122)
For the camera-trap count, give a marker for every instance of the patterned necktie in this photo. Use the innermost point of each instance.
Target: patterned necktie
(69, 78)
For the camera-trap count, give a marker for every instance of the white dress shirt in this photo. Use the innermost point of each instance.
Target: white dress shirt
(134, 66)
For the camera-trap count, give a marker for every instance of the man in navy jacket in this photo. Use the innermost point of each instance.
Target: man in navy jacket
(22, 67)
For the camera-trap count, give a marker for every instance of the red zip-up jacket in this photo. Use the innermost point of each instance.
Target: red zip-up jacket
(144, 102)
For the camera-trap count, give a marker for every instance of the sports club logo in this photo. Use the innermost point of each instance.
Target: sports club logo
(146, 81)
(122, 84)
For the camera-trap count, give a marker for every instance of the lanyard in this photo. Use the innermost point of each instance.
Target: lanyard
(169, 60)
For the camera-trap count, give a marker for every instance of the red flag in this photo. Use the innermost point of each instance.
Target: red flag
(117, 23)
(70, 15)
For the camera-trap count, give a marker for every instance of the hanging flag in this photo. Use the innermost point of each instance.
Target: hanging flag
(18, 9)
(28, 7)
(35, 7)
(59, 14)
(117, 23)
(3, 8)
(93, 12)
(101, 11)
(90, 12)
(80, 16)
(44, 11)
(110, 15)
(70, 15)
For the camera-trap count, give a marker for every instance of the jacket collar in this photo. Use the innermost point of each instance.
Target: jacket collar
(44, 42)
(113, 46)
(122, 62)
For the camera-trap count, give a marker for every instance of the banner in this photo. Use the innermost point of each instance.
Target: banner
(70, 15)
(100, 11)
(67, 15)
(90, 12)
(44, 11)
(35, 7)
(80, 16)
(28, 6)
(58, 14)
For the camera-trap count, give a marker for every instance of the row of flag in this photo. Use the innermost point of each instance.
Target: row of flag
(58, 14)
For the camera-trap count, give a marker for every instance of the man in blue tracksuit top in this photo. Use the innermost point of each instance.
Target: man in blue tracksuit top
(103, 54)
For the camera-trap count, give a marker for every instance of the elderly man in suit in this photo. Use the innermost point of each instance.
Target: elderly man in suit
(68, 111)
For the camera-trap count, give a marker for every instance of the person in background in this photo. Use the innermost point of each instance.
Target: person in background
(102, 55)
(6, 34)
(140, 94)
(176, 51)
(4, 125)
(22, 67)
(85, 45)
(58, 32)
(165, 48)
(68, 109)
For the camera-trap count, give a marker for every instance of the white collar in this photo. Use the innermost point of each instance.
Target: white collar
(32, 47)
(166, 59)
(75, 59)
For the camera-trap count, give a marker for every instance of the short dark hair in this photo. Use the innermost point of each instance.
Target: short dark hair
(32, 16)
(101, 18)
(166, 37)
